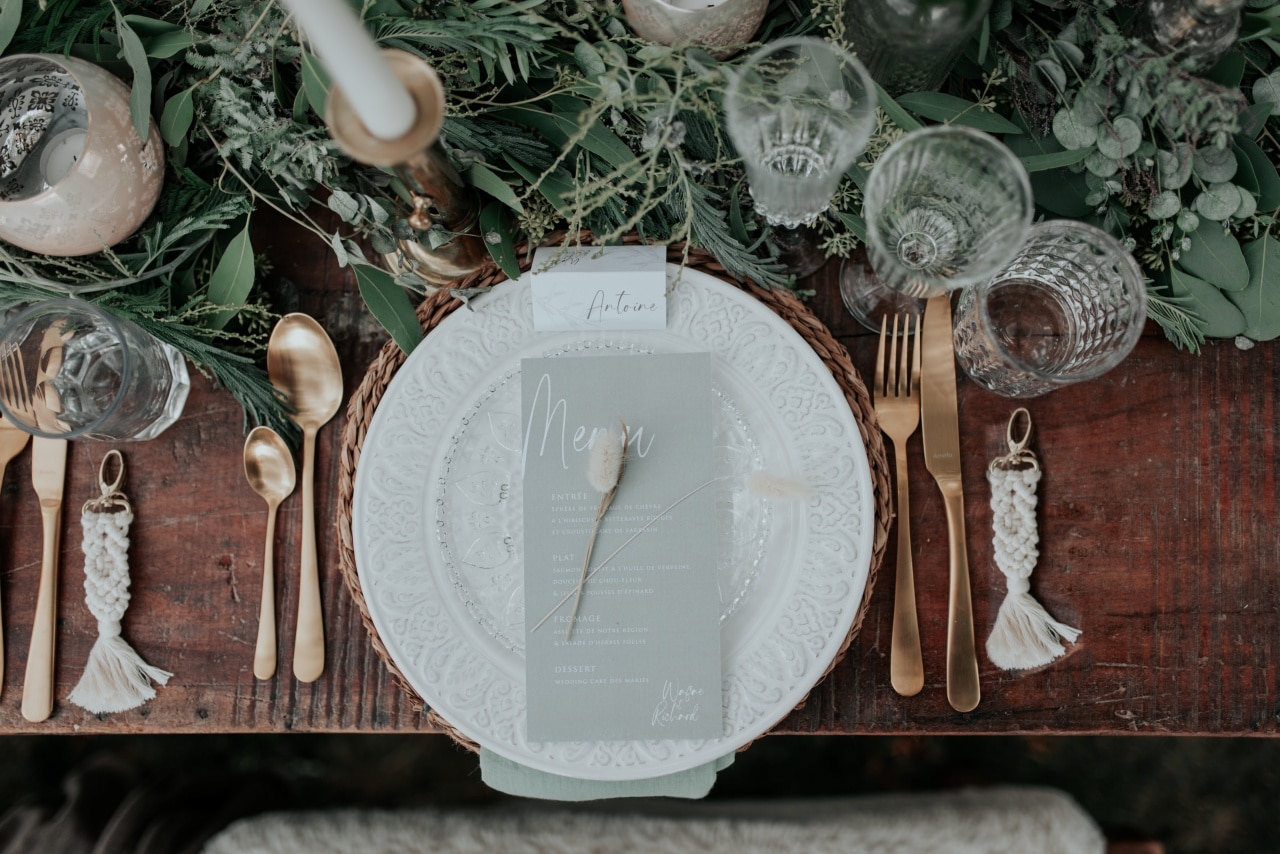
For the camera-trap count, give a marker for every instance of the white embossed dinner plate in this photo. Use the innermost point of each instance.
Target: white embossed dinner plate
(436, 519)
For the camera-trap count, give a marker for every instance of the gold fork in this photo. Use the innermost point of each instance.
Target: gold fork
(897, 405)
(13, 382)
(12, 441)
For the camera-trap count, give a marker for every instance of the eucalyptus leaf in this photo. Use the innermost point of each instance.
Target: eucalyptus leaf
(1057, 160)
(175, 121)
(498, 231)
(1119, 138)
(1073, 133)
(1248, 204)
(1228, 71)
(10, 18)
(957, 111)
(390, 304)
(1268, 194)
(1062, 193)
(1215, 256)
(1068, 51)
(161, 39)
(1266, 90)
(344, 205)
(1214, 165)
(1173, 168)
(140, 92)
(857, 225)
(1101, 165)
(315, 82)
(1086, 110)
(487, 181)
(588, 59)
(557, 187)
(1164, 205)
(232, 277)
(1260, 301)
(1254, 119)
(1217, 202)
(895, 112)
(1220, 318)
(1051, 71)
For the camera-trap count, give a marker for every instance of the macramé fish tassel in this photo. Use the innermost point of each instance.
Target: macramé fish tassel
(1024, 635)
(116, 678)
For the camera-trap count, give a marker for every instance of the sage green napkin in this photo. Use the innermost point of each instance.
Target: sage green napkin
(516, 779)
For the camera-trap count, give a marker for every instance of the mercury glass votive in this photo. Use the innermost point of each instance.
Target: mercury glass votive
(75, 177)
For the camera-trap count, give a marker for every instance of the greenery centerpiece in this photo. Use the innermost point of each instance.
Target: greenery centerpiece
(564, 119)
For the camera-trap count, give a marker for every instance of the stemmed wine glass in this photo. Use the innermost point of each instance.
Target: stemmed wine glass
(799, 111)
(945, 207)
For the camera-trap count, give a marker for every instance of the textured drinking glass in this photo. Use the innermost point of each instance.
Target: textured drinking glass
(799, 111)
(1069, 307)
(945, 207)
(910, 45)
(69, 369)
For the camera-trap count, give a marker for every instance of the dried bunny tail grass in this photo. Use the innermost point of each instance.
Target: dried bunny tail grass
(607, 460)
(767, 485)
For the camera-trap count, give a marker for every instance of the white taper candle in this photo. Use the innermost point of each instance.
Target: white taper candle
(356, 65)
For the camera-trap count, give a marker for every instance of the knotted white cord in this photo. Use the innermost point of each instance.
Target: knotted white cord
(115, 678)
(1024, 634)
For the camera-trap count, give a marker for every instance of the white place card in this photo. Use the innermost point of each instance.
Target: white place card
(643, 659)
(599, 287)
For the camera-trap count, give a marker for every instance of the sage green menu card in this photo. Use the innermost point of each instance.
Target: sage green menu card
(643, 658)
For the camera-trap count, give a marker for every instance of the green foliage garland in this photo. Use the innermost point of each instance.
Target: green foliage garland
(564, 119)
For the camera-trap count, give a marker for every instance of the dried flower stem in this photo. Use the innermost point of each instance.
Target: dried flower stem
(608, 462)
(762, 484)
(673, 505)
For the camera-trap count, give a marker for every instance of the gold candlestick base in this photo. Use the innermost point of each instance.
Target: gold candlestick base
(440, 197)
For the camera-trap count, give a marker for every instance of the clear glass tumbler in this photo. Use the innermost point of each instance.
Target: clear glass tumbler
(945, 207)
(1069, 307)
(69, 369)
(799, 111)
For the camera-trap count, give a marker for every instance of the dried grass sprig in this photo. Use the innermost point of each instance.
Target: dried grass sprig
(759, 483)
(607, 462)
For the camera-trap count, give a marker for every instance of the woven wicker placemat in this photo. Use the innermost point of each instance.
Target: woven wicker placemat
(440, 305)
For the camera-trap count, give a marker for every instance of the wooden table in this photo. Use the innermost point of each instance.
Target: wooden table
(1158, 539)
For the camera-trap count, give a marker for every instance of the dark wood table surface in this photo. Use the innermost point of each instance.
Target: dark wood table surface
(1159, 539)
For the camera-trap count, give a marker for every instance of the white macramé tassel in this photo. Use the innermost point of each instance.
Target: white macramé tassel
(115, 678)
(1024, 634)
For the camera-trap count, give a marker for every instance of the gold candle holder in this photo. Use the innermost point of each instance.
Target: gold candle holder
(439, 195)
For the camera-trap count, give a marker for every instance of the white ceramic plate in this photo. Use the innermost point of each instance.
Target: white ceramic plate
(437, 519)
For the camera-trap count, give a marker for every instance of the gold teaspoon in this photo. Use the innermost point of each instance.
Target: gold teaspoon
(268, 466)
(303, 365)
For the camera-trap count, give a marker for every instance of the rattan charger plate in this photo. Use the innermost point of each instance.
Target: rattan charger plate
(437, 307)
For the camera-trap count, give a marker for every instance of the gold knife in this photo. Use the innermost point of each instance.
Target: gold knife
(48, 471)
(940, 425)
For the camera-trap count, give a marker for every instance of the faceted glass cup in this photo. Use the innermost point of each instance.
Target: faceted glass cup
(1069, 307)
(799, 111)
(945, 207)
(69, 369)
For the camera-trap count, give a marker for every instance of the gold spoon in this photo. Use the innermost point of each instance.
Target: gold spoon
(303, 365)
(268, 466)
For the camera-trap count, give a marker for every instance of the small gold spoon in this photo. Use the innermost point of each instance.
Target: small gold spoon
(303, 365)
(268, 466)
